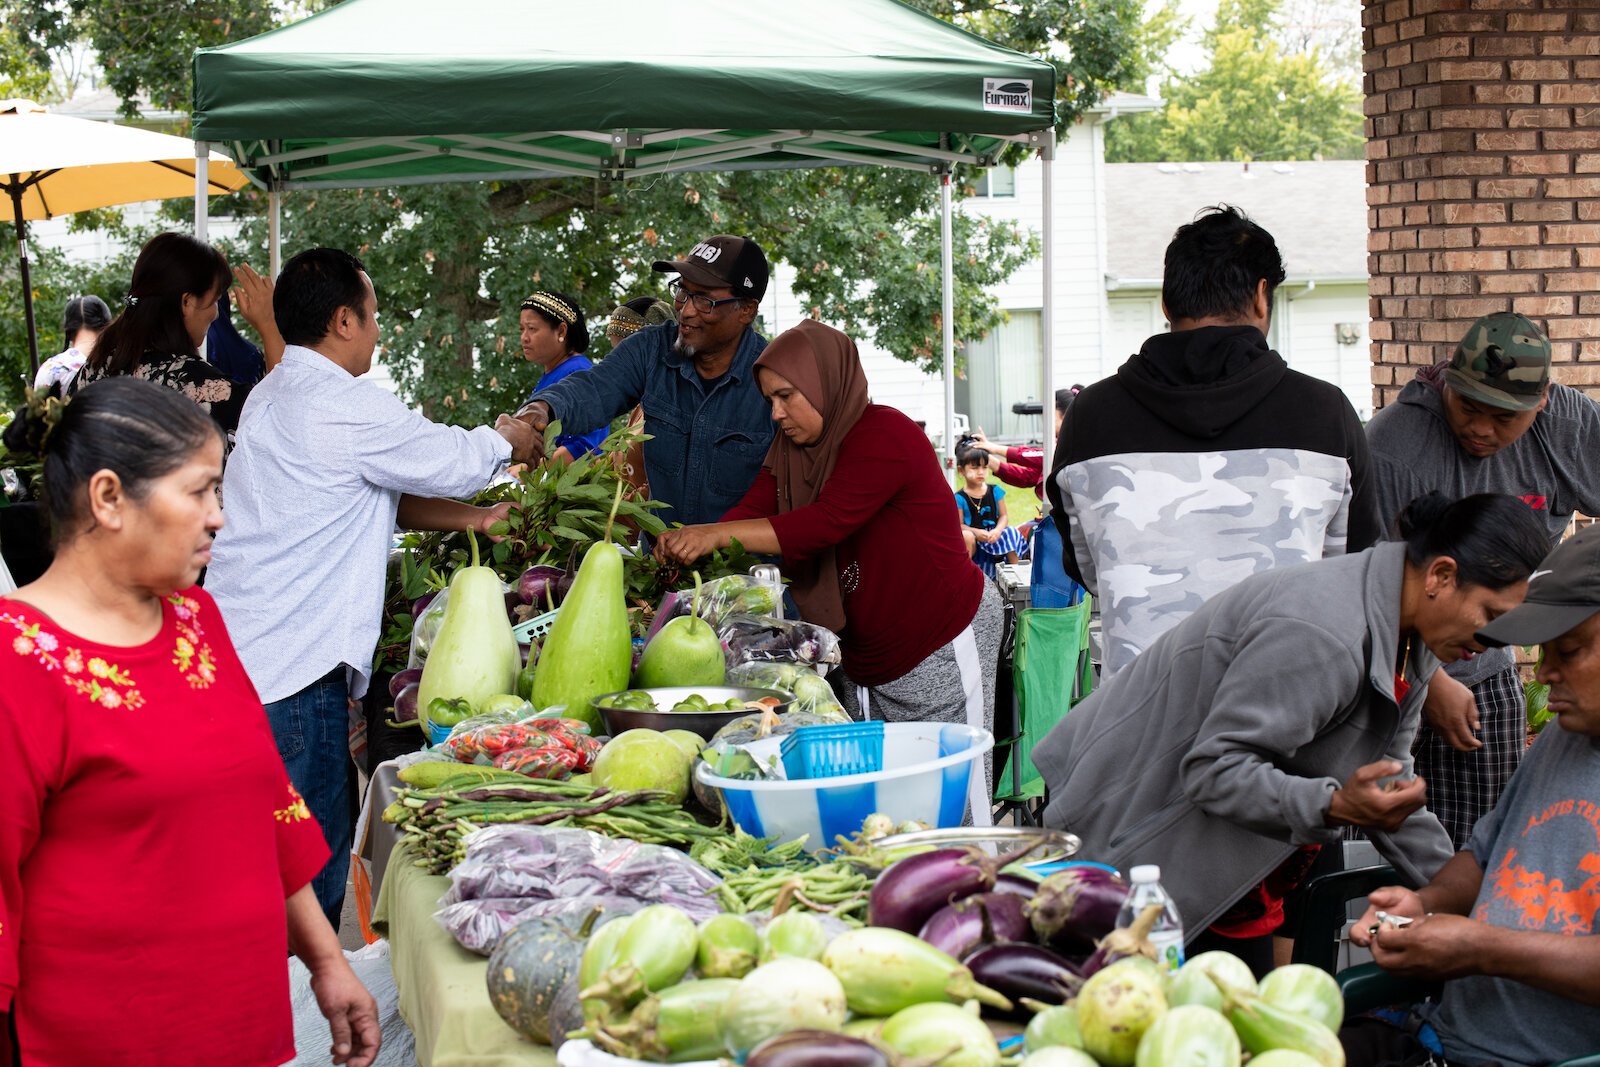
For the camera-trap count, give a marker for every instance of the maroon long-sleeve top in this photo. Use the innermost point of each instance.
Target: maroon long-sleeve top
(889, 515)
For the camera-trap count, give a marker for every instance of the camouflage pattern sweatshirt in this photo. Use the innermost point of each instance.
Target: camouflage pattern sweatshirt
(1203, 460)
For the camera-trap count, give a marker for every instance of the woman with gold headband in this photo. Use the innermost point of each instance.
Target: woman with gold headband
(554, 334)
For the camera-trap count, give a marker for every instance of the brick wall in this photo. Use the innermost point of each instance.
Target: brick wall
(1483, 177)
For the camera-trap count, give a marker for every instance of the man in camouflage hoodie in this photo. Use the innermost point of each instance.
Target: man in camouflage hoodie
(1205, 458)
(1489, 420)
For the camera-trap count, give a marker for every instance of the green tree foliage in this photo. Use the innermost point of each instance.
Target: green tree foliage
(24, 70)
(452, 262)
(144, 46)
(1252, 101)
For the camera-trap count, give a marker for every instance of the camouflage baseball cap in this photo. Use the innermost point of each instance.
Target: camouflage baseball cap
(1503, 361)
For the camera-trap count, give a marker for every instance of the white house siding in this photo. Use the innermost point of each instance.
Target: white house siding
(1304, 330)
(1079, 293)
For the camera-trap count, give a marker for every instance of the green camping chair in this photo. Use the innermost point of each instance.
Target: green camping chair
(1050, 673)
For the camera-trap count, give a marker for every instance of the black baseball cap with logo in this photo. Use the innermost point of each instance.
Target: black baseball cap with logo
(723, 262)
(1563, 591)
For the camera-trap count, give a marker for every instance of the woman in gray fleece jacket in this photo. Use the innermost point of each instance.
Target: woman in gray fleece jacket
(1283, 710)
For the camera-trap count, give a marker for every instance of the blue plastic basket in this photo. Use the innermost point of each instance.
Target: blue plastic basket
(832, 751)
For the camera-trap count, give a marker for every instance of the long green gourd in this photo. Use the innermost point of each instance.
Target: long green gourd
(475, 654)
(589, 650)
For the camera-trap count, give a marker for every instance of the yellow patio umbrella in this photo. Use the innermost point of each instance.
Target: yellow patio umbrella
(55, 164)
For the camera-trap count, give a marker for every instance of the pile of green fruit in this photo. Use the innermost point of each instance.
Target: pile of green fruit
(696, 702)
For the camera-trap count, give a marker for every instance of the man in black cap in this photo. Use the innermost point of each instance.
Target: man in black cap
(1510, 922)
(1490, 420)
(708, 422)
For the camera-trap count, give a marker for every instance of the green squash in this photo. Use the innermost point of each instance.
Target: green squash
(474, 655)
(590, 648)
(534, 961)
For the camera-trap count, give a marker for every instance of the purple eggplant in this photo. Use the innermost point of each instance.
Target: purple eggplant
(537, 586)
(419, 605)
(911, 890)
(981, 919)
(1130, 940)
(409, 676)
(1016, 884)
(1025, 971)
(405, 703)
(815, 1048)
(1073, 909)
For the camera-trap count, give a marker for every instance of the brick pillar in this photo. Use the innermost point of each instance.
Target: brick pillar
(1483, 177)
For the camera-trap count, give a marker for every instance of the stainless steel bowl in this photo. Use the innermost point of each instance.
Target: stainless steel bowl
(704, 723)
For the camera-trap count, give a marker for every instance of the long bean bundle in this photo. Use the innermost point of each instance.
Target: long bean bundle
(436, 821)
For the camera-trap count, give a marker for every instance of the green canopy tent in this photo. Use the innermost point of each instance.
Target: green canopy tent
(394, 92)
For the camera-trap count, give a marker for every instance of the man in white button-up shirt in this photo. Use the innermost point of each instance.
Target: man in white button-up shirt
(324, 466)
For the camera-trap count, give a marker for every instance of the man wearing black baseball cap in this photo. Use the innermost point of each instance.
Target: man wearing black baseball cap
(1488, 420)
(709, 425)
(1511, 921)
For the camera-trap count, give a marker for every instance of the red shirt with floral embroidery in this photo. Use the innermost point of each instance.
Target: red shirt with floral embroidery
(148, 839)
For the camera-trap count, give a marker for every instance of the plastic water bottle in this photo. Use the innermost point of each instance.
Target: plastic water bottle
(1167, 934)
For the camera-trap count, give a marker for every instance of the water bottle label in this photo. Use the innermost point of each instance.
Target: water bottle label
(1169, 948)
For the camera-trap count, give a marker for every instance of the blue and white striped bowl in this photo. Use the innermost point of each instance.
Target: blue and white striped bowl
(927, 772)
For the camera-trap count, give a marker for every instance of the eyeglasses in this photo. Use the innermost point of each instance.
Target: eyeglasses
(703, 303)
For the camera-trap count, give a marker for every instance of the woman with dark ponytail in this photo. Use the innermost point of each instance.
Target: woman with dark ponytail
(1282, 711)
(148, 821)
(172, 301)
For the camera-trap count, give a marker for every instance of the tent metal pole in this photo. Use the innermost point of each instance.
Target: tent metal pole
(274, 231)
(202, 164)
(27, 276)
(947, 272)
(1047, 318)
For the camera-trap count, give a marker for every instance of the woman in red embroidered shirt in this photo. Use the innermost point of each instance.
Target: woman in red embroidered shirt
(852, 498)
(149, 836)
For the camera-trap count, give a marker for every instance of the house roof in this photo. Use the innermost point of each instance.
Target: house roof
(1317, 212)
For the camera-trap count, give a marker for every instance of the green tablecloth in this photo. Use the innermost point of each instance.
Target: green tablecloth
(443, 997)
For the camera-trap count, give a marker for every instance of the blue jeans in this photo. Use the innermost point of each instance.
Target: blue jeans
(312, 729)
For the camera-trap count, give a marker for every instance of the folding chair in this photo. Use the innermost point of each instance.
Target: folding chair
(1050, 672)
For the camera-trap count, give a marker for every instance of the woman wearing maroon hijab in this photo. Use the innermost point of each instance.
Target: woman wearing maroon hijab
(852, 499)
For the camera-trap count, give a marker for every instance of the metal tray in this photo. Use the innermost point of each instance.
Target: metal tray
(1058, 844)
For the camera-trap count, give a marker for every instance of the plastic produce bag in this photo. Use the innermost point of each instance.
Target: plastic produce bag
(720, 599)
(516, 872)
(535, 745)
(811, 692)
(759, 639)
(312, 1037)
(425, 627)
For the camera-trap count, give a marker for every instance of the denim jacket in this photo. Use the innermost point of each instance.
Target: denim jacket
(708, 439)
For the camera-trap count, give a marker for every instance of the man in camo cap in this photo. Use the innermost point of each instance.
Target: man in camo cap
(1489, 420)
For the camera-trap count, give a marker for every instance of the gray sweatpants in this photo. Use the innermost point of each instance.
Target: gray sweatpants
(954, 684)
